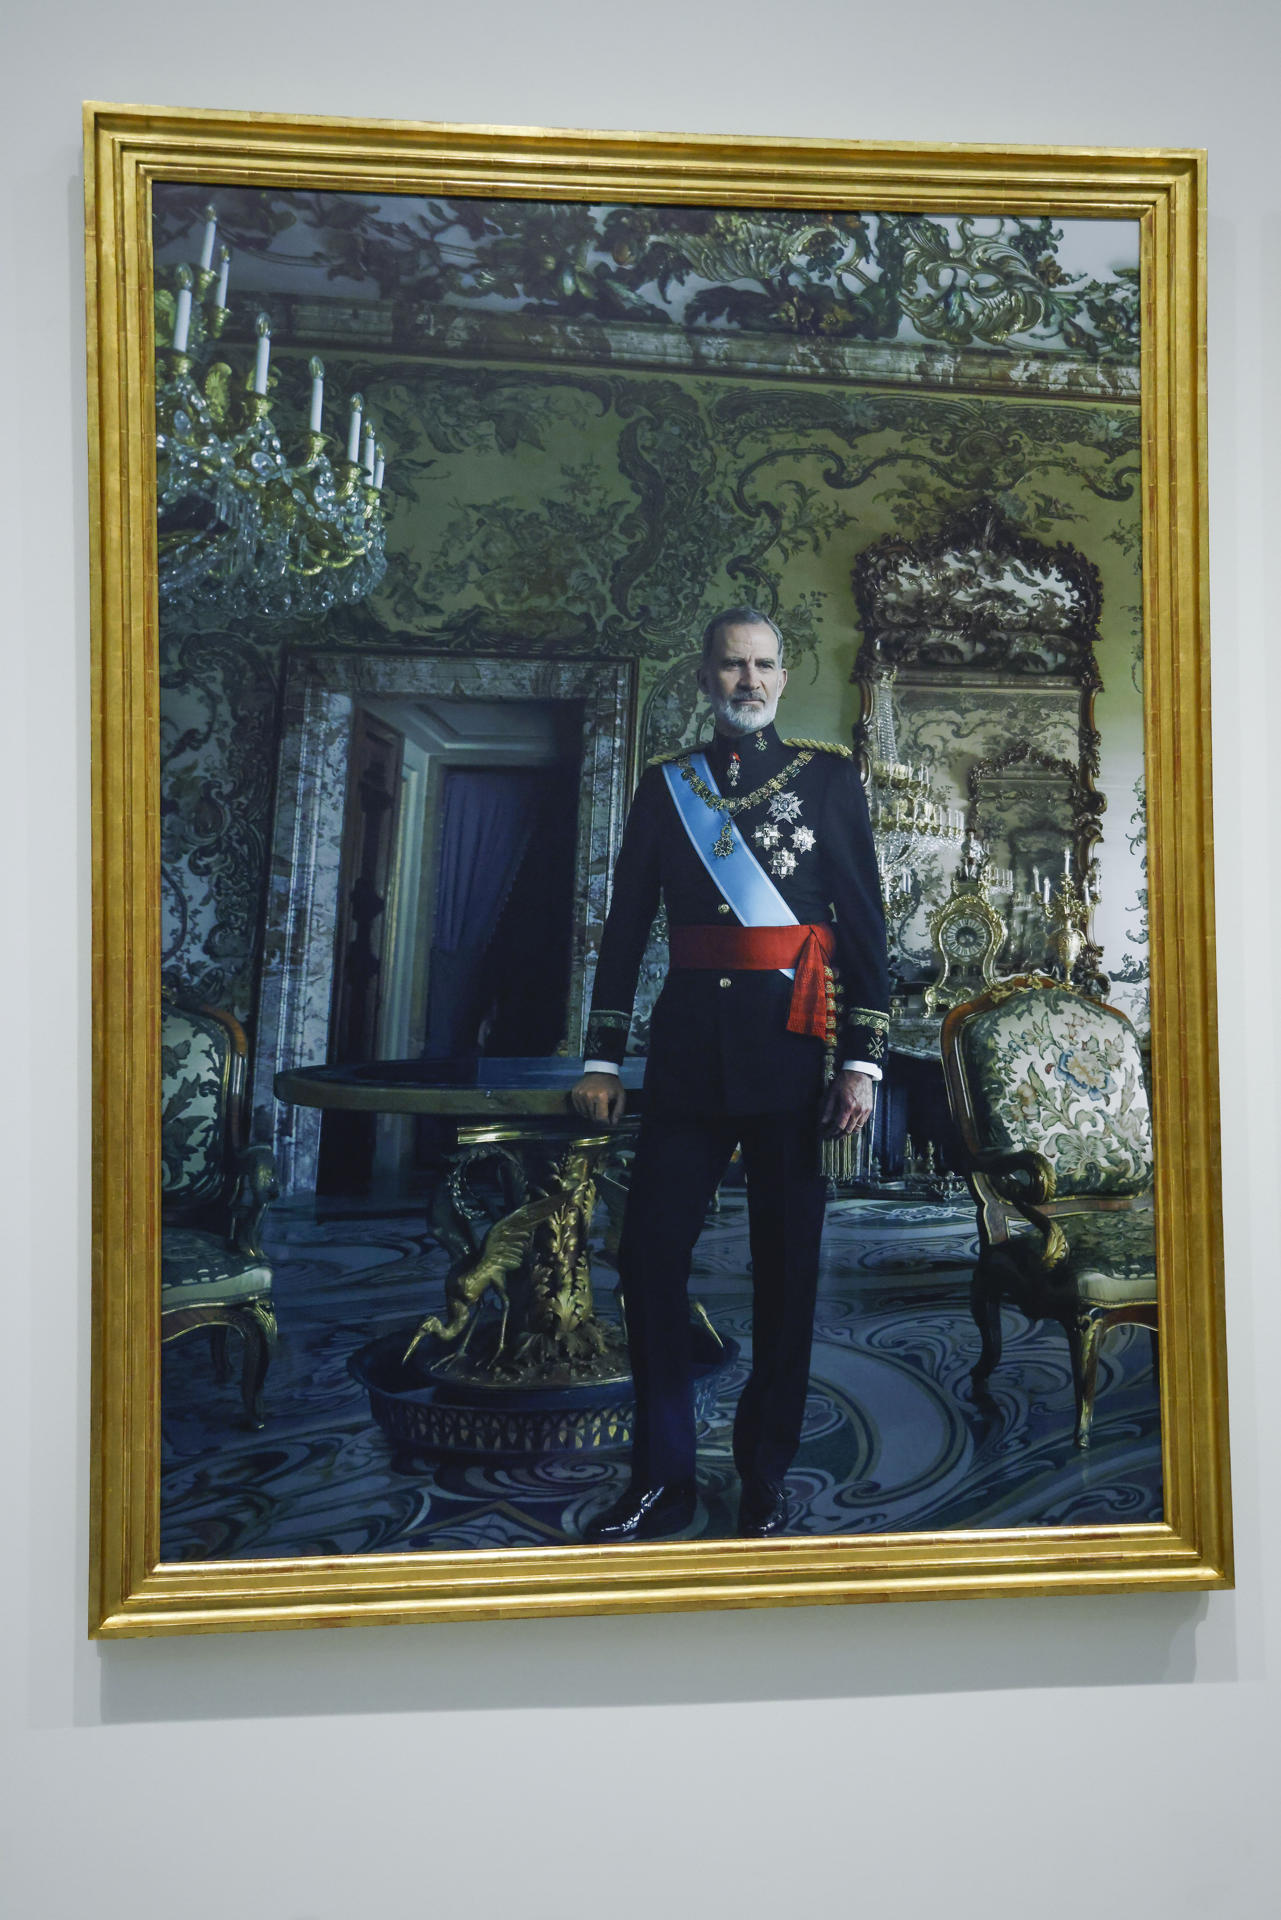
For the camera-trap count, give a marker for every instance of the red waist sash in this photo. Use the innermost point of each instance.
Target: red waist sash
(765, 949)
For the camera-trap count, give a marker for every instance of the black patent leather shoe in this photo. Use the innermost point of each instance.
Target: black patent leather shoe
(644, 1513)
(763, 1509)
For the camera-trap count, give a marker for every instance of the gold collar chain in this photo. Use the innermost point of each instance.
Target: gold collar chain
(725, 839)
(741, 801)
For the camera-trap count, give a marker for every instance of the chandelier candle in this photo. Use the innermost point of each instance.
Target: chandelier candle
(206, 250)
(353, 430)
(316, 368)
(182, 311)
(368, 462)
(224, 268)
(263, 357)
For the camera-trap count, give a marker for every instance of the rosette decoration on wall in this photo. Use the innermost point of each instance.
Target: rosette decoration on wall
(244, 526)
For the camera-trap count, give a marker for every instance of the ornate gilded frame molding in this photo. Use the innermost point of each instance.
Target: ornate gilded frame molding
(132, 1590)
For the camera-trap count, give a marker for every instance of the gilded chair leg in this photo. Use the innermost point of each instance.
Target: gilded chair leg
(985, 1305)
(221, 1357)
(1084, 1335)
(258, 1327)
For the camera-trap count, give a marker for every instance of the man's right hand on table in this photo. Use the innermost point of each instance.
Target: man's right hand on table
(599, 1097)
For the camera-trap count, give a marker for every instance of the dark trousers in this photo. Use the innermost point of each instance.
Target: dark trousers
(680, 1162)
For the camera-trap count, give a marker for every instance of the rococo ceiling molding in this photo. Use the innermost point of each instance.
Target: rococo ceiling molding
(1001, 284)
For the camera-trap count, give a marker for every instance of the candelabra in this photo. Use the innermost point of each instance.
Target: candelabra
(1067, 913)
(244, 527)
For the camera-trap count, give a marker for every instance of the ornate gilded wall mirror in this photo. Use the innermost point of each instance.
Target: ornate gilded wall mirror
(978, 673)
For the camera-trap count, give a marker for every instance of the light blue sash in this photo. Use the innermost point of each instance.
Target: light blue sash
(739, 878)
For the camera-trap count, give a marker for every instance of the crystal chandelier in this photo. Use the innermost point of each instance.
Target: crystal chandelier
(245, 528)
(909, 821)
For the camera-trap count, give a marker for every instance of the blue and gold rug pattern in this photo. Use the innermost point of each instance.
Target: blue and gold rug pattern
(894, 1441)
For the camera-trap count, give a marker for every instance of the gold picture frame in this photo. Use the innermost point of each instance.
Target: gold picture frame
(128, 150)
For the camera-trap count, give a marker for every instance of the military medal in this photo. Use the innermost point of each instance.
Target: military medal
(784, 812)
(784, 807)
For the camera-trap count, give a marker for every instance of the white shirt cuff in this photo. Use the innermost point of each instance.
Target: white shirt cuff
(847, 1066)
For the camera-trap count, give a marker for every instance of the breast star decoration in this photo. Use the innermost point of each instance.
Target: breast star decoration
(784, 810)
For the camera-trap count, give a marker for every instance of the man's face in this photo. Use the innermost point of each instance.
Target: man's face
(743, 678)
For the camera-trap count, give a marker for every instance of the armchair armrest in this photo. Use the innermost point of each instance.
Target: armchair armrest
(1024, 1180)
(257, 1188)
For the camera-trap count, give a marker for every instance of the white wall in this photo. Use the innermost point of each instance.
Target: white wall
(1119, 1755)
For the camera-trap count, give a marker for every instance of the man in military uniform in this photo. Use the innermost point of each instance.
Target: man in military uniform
(770, 1030)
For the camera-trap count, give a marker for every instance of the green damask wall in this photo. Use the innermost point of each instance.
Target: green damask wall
(593, 510)
(613, 511)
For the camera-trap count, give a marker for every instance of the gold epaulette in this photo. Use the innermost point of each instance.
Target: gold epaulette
(822, 746)
(674, 753)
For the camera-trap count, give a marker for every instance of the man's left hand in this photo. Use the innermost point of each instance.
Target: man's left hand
(847, 1105)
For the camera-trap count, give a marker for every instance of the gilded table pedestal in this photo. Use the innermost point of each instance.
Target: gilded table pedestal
(518, 1360)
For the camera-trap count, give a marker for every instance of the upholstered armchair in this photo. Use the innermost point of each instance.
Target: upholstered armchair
(214, 1193)
(1047, 1089)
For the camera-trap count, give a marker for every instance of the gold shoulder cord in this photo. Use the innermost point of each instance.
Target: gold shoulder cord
(822, 746)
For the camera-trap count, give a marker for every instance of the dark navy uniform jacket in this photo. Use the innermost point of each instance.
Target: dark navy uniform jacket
(718, 1040)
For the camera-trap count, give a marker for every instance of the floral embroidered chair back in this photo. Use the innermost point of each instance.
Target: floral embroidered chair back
(202, 1076)
(1049, 1071)
(214, 1192)
(1047, 1089)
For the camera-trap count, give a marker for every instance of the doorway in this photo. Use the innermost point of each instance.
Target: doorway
(363, 845)
(456, 896)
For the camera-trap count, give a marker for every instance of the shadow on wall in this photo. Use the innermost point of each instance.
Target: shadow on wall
(715, 1658)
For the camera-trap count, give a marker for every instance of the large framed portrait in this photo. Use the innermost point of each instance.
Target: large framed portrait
(463, 501)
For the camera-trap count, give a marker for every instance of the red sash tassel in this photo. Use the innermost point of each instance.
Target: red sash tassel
(764, 950)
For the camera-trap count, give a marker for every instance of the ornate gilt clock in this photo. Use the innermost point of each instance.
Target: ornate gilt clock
(968, 933)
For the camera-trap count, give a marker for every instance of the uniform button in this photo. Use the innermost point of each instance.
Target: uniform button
(723, 907)
(726, 981)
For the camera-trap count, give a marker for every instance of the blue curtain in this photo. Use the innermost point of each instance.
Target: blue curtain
(488, 817)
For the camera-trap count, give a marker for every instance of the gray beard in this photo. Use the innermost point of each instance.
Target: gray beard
(741, 720)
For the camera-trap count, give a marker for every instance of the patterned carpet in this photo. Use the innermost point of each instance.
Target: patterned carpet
(893, 1440)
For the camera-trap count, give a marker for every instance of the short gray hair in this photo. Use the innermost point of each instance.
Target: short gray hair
(738, 617)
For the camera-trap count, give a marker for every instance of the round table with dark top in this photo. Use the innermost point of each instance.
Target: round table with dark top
(545, 1371)
(469, 1092)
